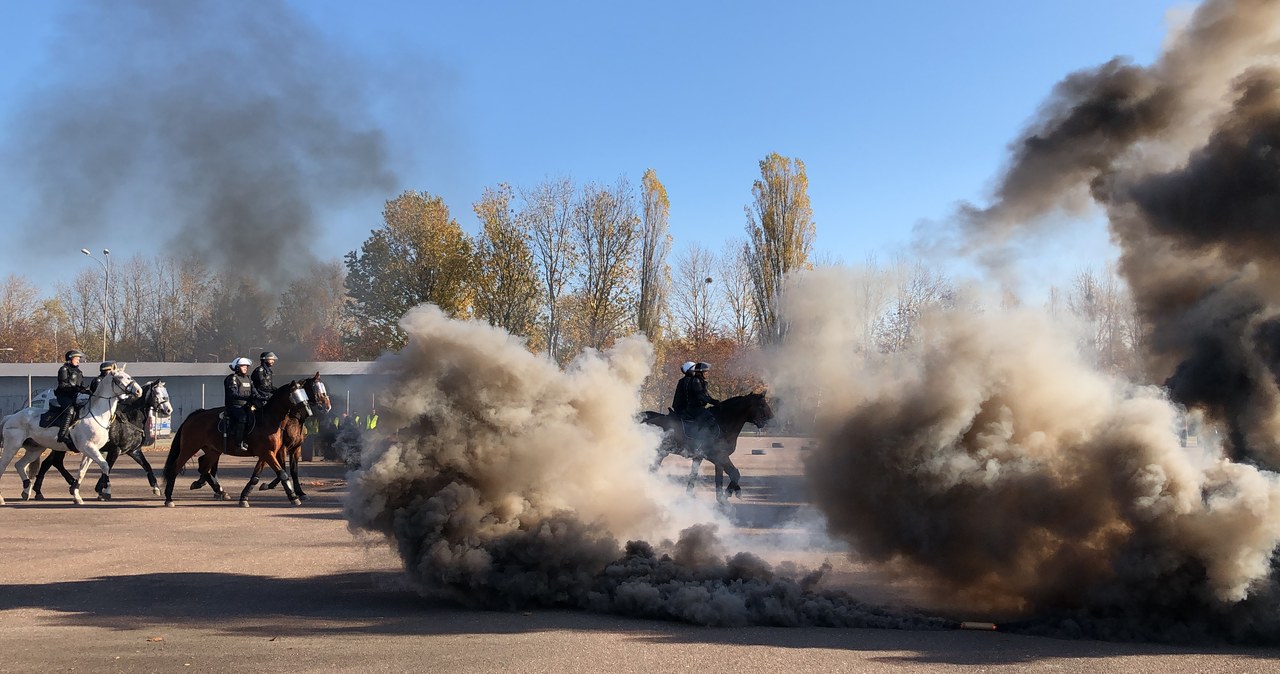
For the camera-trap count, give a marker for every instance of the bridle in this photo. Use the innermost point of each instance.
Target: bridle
(117, 391)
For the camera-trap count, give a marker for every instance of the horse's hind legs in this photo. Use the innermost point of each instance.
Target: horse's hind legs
(692, 480)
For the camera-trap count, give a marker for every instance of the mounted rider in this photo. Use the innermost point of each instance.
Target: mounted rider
(691, 398)
(105, 369)
(238, 399)
(261, 377)
(70, 385)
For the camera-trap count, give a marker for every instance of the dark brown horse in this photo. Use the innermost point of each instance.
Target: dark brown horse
(730, 416)
(294, 434)
(275, 426)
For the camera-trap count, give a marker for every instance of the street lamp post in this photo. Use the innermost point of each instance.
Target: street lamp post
(106, 290)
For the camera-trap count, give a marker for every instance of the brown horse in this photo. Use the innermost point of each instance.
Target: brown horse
(294, 432)
(275, 426)
(730, 416)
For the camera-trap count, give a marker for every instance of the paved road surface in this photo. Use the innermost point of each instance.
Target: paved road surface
(131, 586)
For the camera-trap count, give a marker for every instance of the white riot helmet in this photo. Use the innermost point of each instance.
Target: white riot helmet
(240, 361)
(684, 369)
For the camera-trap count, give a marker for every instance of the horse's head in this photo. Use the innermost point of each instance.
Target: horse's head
(758, 411)
(299, 400)
(157, 398)
(123, 385)
(317, 394)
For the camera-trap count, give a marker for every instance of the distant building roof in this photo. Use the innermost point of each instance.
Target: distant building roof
(154, 369)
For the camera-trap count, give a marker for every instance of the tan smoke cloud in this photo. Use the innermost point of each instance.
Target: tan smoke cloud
(994, 465)
(505, 481)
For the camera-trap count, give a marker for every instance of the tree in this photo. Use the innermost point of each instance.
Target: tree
(420, 254)
(17, 325)
(693, 308)
(82, 302)
(311, 318)
(780, 231)
(548, 219)
(1109, 317)
(735, 291)
(237, 321)
(506, 289)
(655, 243)
(918, 288)
(184, 296)
(606, 229)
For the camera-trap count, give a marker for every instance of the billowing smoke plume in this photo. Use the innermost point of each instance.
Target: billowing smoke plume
(221, 128)
(992, 464)
(506, 482)
(1181, 155)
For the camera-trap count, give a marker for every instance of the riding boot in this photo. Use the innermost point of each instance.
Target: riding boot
(64, 431)
(244, 446)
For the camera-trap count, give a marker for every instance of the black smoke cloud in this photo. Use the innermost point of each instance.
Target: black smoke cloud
(505, 482)
(220, 128)
(995, 466)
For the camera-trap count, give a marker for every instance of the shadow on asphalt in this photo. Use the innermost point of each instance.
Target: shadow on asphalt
(383, 603)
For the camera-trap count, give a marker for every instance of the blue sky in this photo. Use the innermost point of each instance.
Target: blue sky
(899, 110)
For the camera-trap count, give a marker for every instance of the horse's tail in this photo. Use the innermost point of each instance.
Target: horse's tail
(171, 467)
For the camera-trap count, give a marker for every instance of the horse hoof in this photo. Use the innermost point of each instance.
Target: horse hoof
(155, 490)
(105, 496)
(26, 496)
(263, 487)
(296, 501)
(169, 504)
(303, 497)
(221, 496)
(244, 504)
(197, 484)
(38, 496)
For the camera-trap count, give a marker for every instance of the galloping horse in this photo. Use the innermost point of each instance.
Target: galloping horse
(273, 429)
(294, 433)
(127, 435)
(730, 415)
(22, 430)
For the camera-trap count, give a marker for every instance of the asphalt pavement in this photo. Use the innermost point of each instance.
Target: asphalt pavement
(131, 586)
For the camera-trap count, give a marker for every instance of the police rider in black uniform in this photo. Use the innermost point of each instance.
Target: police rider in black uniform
(691, 396)
(262, 386)
(70, 385)
(238, 397)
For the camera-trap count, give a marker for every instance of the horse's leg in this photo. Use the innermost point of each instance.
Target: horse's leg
(294, 456)
(268, 485)
(23, 466)
(662, 453)
(694, 470)
(138, 456)
(733, 489)
(54, 460)
(178, 457)
(202, 462)
(112, 455)
(720, 495)
(93, 456)
(253, 479)
(209, 473)
(273, 460)
(11, 446)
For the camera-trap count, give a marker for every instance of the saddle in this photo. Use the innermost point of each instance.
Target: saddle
(224, 423)
(699, 433)
(53, 416)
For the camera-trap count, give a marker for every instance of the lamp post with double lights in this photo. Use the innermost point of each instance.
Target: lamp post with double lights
(106, 290)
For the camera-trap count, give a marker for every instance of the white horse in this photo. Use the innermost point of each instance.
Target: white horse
(22, 431)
